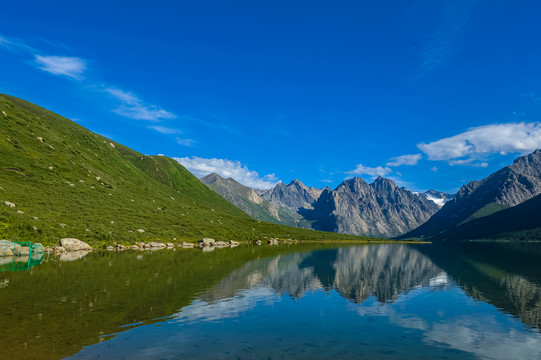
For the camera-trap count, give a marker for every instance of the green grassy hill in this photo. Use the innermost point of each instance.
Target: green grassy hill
(66, 181)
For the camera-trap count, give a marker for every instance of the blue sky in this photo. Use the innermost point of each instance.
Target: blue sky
(429, 93)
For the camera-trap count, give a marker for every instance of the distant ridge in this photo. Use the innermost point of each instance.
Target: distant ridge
(380, 209)
(505, 188)
(249, 201)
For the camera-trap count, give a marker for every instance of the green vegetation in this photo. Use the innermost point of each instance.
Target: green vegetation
(66, 181)
(486, 210)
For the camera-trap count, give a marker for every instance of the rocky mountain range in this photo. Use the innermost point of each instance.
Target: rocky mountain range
(378, 209)
(507, 187)
(382, 209)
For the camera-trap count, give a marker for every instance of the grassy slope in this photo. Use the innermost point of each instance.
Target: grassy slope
(133, 192)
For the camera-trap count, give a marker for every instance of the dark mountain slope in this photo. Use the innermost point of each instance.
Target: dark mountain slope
(520, 222)
(507, 187)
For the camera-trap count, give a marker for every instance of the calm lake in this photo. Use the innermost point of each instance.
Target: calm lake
(393, 301)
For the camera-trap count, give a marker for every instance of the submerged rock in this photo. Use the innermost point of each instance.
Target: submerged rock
(74, 255)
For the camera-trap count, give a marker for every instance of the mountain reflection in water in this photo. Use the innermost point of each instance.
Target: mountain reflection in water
(356, 273)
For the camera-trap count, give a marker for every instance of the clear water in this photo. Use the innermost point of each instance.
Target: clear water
(475, 300)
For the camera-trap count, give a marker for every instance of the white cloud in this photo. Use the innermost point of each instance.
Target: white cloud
(72, 67)
(185, 142)
(468, 162)
(376, 171)
(484, 140)
(227, 168)
(434, 169)
(165, 130)
(404, 160)
(134, 108)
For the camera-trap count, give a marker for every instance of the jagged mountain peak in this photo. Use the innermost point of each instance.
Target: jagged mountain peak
(296, 182)
(294, 196)
(382, 183)
(534, 157)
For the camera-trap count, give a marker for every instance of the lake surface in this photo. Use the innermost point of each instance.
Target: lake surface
(466, 301)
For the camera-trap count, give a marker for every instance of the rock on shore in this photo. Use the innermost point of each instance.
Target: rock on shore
(71, 244)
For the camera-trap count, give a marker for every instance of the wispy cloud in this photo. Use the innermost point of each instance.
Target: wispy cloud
(440, 47)
(12, 44)
(130, 105)
(72, 67)
(133, 107)
(185, 142)
(468, 162)
(533, 96)
(404, 160)
(165, 130)
(485, 140)
(227, 168)
(372, 171)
